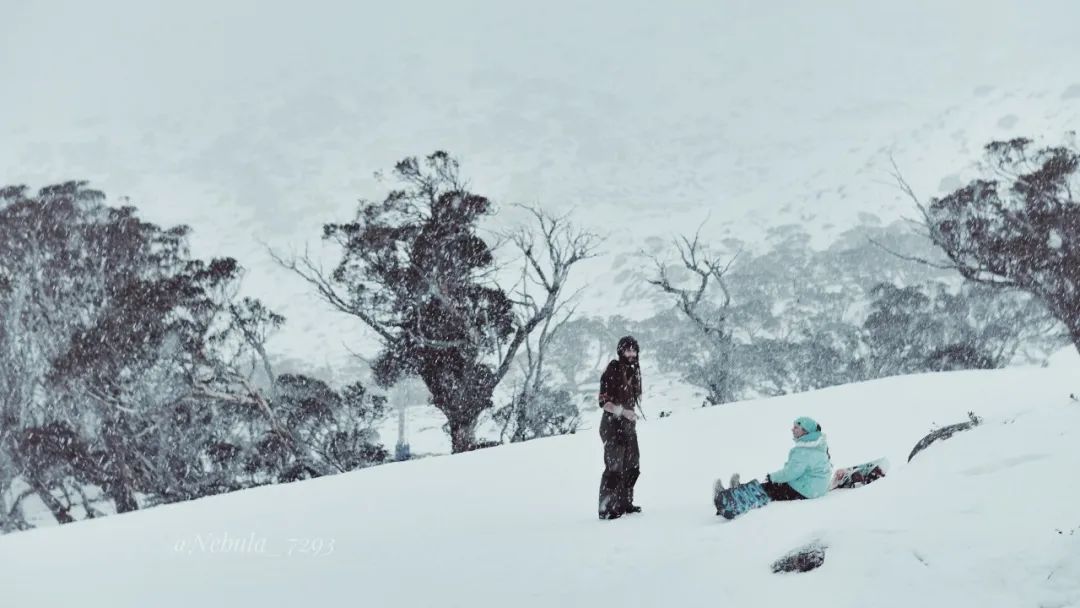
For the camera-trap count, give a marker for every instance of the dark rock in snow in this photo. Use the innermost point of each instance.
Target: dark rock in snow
(944, 433)
(803, 559)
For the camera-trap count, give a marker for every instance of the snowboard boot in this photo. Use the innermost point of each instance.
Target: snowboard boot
(611, 515)
(632, 509)
(718, 487)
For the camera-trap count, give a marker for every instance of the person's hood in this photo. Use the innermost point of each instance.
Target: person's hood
(808, 424)
(810, 440)
(625, 343)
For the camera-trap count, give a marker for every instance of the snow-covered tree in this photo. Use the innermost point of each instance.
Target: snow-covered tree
(712, 353)
(415, 271)
(126, 377)
(1018, 227)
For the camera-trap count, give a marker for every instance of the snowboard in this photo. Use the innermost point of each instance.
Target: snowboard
(859, 475)
(732, 502)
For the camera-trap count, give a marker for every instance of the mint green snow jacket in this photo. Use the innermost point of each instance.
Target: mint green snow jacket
(808, 469)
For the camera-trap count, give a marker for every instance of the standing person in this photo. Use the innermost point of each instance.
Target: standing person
(620, 394)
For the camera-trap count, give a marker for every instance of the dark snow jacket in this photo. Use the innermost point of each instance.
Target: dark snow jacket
(621, 384)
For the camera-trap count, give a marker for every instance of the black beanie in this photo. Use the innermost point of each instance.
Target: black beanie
(627, 342)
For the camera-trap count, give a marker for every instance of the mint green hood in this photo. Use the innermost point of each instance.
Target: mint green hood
(808, 468)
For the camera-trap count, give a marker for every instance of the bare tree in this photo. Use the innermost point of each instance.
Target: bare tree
(715, 372)
(538, 409)
(562, 246)
(414, 271)
(539, 294)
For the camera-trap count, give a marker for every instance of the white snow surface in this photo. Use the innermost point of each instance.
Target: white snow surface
(987, 518)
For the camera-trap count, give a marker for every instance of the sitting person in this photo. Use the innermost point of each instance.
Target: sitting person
(808, 469)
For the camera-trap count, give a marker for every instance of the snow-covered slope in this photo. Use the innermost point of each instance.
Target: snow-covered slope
(986, 518)
(260, 121)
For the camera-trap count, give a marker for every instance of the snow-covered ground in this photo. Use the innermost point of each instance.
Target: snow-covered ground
(257, 122)
(986, 518)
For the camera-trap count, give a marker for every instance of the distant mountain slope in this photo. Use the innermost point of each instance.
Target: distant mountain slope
(256, 123)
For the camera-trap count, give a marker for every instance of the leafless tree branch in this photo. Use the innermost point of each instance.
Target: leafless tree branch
(307, 269)
(707, 268)
(563, 246)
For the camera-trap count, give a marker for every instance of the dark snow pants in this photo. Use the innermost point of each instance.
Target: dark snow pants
(621, 464)
(781, 491)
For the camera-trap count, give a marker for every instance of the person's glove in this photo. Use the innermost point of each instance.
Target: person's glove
(629, 415)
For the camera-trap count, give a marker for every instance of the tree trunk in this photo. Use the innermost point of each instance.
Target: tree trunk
(463, 431)
(119, 482)
(58, 510)
(1074, 331)
(123, 499)
(720, 381)
(461, 398)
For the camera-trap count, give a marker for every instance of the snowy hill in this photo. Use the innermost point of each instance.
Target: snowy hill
(986, 518)
(260, 121)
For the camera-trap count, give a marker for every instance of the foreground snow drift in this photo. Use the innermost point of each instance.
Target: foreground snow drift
(986, 518)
